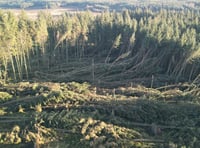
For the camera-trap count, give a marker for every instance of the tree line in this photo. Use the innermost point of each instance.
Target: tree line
(153, 42)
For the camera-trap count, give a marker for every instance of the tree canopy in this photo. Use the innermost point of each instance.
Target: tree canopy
(155, 42)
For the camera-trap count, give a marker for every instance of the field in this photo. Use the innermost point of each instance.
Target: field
(34, 12)
(58, 8)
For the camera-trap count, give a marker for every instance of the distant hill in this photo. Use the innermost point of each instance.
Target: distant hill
(95, 5)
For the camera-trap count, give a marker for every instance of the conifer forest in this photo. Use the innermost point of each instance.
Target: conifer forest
(103, 74)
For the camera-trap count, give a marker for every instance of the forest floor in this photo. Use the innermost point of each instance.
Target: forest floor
(82, 115)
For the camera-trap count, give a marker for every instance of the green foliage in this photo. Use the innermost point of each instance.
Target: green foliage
(141, 42)
(133, 117)
(11, 137)
(4, 96)
(77, 87)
